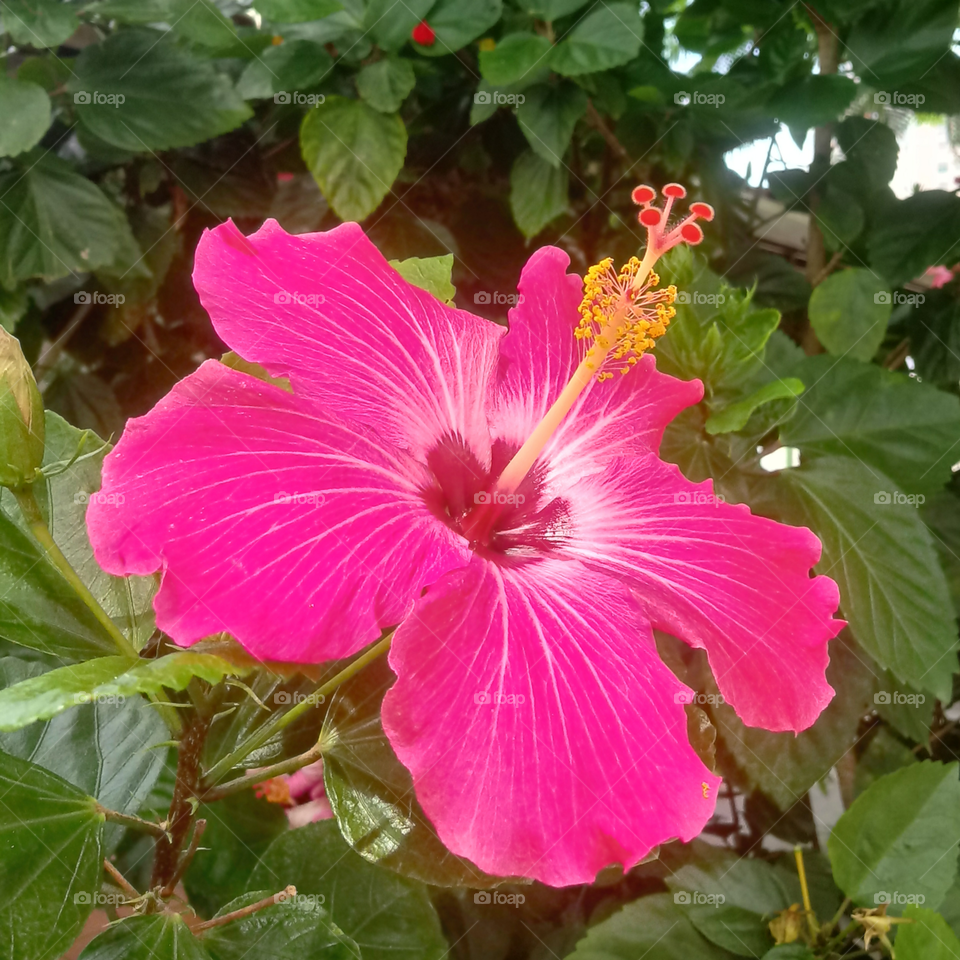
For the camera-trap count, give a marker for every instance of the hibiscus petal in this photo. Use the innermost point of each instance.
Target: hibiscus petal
(329, 312)
(721, 579)
(293, 534)
(545, 737)
(621, 417)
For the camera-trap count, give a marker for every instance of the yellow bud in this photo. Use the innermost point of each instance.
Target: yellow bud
(21, 416)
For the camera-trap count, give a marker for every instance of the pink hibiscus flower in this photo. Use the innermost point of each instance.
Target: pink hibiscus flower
(488, 493)
(302, 793)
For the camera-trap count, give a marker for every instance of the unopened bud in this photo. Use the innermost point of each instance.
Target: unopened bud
(21, 416)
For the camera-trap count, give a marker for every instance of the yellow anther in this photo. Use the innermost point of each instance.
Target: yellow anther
(621, 317)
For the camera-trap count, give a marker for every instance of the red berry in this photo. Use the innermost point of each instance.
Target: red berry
(702, 210)
(674, 190)
(649, 217)
(423, 34)
(643, 194)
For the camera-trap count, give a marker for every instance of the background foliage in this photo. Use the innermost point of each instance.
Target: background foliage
(129, 126)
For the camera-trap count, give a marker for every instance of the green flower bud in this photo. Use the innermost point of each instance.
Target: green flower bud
(21, 416)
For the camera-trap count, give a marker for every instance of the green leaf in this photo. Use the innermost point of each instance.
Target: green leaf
(39, 23)
(840, 217)
(296, 11)
(885, 754)
(46, 695)
(871, 148)
(354, 153)
(47, 71)
(911, 719)
(849, 312)
(386, 83)
(457, 22)
(751, 890)
(929, 937)
(609, 36)
(130, 90)
(291, 930)
(202, 23)
(514, 58)
(538, 192)
(718, 335)
(888, 420)
(785, 766)
(372, 794)
(390, 23)
(43, 697)
(919, 232)
(63, 497)
(548, 116)
(51, 864)
(429, 273)
(551, 9)
(105, 748)
(161, 936)
(790, 951)
(390, 918)
(293, 66)
(653, 927)
(25, 108)
(813, 101)
(900, 836)
(38, 608)
(736, 415)
(239, 829)
(892, 589)
(54, 222)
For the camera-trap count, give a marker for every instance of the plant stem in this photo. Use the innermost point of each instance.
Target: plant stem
(183, 805)
(265, 773)
(278, 722)
(38, 527)
(811, 916)
(31, 512)
(186, 859)
(128, 820)
(120, 880)
(284, 894)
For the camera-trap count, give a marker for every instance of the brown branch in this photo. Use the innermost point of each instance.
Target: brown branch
(284, 894)
(599, 124)
(186, 859)
(120, 880)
